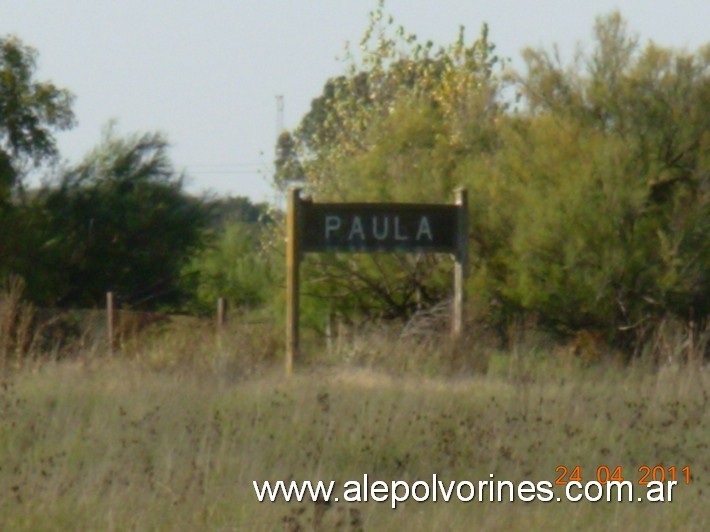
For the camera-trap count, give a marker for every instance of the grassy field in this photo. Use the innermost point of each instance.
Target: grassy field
(96, 444)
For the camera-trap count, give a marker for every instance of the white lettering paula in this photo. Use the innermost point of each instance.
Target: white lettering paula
(380, 228)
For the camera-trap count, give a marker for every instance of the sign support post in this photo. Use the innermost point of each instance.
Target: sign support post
(461, 266)
(111, 322)
(293, 259)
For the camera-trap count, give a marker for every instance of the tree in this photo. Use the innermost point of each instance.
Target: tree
(30, 111)
(392, 129)
(287, 165)
(621, 202)
(233, 266)
(118, 221)
(227, 210)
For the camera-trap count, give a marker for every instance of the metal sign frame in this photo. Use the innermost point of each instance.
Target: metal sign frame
(371, 228)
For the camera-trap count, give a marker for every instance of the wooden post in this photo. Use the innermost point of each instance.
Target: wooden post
(293, 218)
(221, 313)
(461, 266)
(110, 321)
(329, 333)
(221, 320)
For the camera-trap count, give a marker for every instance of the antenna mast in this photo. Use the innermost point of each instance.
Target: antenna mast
(279, 114)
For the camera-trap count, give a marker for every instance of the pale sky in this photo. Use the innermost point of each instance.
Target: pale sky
(207, 72)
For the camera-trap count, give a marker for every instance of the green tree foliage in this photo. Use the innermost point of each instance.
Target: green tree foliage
(287, 165)
(30, 111)
(118, 221)
(227, 210)
(404, 110)
(235, 263)
(588, 198)
(234, 266)
(614, 160)
(392, 129)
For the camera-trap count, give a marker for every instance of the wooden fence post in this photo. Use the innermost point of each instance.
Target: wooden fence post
(110, 322)
(293, 260)
(221, 313)
(461, 266)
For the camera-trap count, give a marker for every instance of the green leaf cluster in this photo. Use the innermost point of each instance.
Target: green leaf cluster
(119, 221)
(29, 112)
(235, 266)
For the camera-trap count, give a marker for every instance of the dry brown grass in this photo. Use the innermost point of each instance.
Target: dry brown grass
(100, 444)
(170, 432)
(18, 335)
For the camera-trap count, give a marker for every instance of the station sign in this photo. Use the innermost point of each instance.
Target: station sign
(378, 227)
(371, 228)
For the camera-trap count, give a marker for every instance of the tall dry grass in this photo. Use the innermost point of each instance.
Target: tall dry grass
(18, 336)
(98, 444)
(170, 432)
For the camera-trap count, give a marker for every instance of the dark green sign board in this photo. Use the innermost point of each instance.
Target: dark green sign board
(378, 227)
